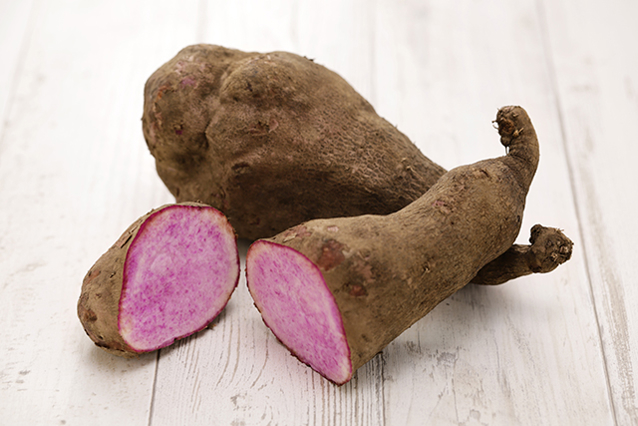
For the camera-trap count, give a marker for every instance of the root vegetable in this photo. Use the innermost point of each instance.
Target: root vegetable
(549, 248)
(168, 276)
(337, 291)
(275, 139)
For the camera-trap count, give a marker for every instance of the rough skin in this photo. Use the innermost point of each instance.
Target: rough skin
(98, 305)
(275, 139)
(387, 272)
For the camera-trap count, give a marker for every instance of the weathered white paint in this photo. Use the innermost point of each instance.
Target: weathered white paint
(595, 71)
(74, 173)
(502, 355)
(16, 27)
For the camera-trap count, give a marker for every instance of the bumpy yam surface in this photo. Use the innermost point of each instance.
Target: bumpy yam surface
(275, 139)
(387, 272)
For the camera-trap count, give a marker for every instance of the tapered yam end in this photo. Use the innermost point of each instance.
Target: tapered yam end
(296, 304)
(180, 272)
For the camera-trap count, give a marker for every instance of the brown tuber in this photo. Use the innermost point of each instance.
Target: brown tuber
(336, 291)
(273, 140)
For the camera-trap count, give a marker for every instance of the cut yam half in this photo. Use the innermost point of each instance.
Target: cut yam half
(180, 272)
(166, 278)
(296, 304)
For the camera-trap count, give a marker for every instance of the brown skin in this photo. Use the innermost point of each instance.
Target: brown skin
(549, 248)
(98, 306)
(273, 140)
(387, 272)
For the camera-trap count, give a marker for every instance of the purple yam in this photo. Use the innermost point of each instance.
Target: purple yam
(296, 304)
(384, 273)
(168, 276)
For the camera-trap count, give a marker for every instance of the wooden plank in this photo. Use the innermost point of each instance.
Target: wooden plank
(526, 352)
(237, 373)
(335, 33)
(14, 35)
(595, 67)
(74, 173)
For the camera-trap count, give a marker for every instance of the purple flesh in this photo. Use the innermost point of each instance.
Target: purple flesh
(295, 303)
(180, 272)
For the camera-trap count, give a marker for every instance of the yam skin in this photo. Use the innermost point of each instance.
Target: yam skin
(274, 139)
(168, 276)
(383, 273)
(548, 249)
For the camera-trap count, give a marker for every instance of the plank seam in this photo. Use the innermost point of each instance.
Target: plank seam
(380, 386)
(22, 57)
(154, 390)
(202, 12)
(373, 57)
(552, 73)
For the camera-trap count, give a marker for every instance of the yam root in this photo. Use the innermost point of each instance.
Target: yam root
(336, 291)
(168, 276)
(273, 140)
(549, 248)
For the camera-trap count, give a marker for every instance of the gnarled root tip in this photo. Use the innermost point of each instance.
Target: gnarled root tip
(550, 248)
(510, 121)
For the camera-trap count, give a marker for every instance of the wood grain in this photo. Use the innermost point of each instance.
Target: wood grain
(493, 355)
(250, 376)
(75, 172)
(16, 27)
(596, 82)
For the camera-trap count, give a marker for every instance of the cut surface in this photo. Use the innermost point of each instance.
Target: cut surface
(295, 303)
(180, 271)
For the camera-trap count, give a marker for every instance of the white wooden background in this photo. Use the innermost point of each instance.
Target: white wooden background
(556, 349)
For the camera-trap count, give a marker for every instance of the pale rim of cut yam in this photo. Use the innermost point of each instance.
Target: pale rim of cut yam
(296, 304)
(180, 271)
